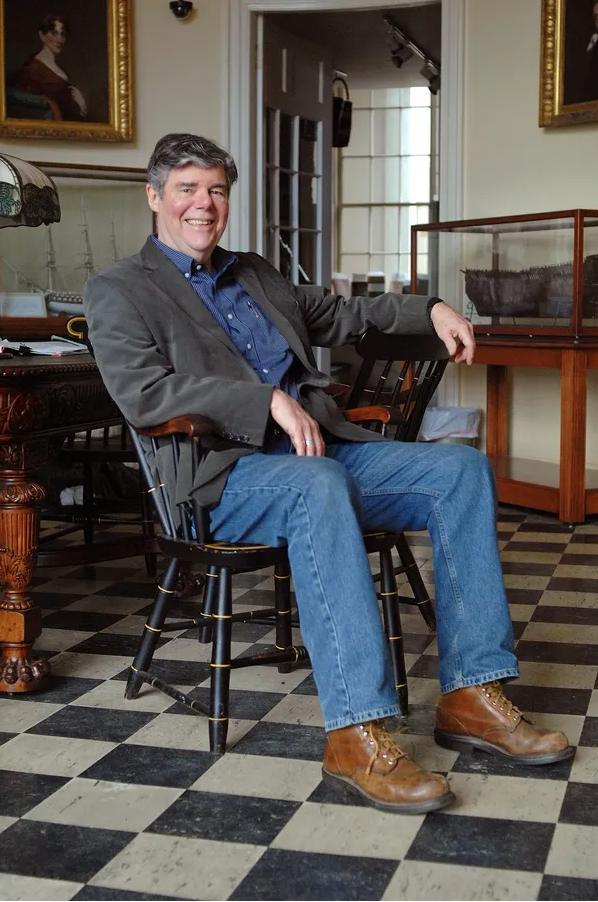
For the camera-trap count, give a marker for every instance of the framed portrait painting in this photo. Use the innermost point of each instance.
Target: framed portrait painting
(66, 69)
(569, 62)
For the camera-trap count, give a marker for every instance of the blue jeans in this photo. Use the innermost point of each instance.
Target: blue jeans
(319, 507)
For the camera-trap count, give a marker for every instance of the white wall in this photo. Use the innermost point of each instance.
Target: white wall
(178, 72)
(513, 166)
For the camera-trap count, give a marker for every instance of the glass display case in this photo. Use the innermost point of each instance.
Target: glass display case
(534, 275)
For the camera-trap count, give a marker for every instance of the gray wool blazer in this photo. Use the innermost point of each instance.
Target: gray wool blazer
(161, 354)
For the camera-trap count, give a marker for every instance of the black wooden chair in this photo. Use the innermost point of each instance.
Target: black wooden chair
(402, 371)
(186, 538)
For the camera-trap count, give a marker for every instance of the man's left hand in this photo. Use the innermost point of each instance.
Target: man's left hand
(455, 331)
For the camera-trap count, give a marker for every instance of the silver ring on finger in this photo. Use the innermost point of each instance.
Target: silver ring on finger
(308, 442)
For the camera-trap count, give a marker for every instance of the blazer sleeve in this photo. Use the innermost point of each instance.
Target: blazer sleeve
(142, 382)
(333, 320)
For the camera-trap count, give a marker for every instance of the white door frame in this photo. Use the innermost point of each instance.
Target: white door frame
(239, 99)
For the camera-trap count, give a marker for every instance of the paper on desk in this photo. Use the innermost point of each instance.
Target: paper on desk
(57, 347)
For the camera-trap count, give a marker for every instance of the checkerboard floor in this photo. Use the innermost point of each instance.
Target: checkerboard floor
(108, 799)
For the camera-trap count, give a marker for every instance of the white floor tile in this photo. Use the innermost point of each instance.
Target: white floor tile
(270, 778)
(424, 880)
(59, 755)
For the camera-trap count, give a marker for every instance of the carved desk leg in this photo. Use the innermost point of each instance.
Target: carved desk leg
(20, 620)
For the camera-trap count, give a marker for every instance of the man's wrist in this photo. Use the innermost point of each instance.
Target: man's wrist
(432, 303)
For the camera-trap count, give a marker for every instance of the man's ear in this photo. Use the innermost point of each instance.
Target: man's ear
(153, 198)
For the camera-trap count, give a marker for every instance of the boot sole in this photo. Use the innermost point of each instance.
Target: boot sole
(466, 743)
(344, 785)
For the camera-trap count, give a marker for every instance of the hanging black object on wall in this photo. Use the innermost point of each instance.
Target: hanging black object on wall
(341, 116)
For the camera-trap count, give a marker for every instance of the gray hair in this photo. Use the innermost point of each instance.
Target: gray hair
(179, 149)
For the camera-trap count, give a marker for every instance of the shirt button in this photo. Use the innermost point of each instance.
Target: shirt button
(187, 275)
(229, 315)
(248, 346)
(265, 370)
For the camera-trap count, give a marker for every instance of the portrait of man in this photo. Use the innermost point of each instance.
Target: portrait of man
(56, 60)
(580, 62)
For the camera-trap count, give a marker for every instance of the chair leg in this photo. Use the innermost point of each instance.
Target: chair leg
(282, 601)
(220, 666)
(88, 505)
(209, 603)
(420, 593)
(152, 630)
(147, 527)
(392, 626)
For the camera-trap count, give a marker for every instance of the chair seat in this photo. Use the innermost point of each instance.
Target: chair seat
(222, 554)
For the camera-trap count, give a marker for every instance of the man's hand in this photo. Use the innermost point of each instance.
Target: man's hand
(303, 431)
(455, 331)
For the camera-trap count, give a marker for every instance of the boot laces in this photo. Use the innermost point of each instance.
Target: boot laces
(494, 692)
(384, 744)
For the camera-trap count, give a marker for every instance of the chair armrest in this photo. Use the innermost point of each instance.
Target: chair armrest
(192, 425)
(385, 415)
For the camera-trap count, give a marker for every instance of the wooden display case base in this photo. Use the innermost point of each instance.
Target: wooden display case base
(535, 484)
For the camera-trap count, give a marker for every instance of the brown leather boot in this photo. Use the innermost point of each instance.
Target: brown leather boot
(366, 760)
(482, 717)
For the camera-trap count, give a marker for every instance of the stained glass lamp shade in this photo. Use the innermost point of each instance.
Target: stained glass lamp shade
(28, 197)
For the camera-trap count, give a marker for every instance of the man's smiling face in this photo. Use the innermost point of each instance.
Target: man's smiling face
(193, 210)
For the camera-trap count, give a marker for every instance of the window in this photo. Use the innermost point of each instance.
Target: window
(385, 181)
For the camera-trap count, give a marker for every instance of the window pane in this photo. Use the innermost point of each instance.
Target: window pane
(416, 132)
(385, 180)
(308, 258)
(308, 199)
(415, 179)
(359, 145)
(361, 98)
(418, 97)
(354, 264)
(308, 145)
(354, 229)
(384, 230)
(286, 141)
(385, 97)
(386, 128)
(271, 136)
(356, 180)
(286, 198)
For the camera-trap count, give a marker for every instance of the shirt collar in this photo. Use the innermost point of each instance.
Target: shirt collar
(221, 259)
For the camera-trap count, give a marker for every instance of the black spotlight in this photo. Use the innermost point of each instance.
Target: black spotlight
(400, 53)
(181, 8)
(430, 72)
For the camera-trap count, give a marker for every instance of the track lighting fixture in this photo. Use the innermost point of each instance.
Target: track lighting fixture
(431, 72)
(403, 48)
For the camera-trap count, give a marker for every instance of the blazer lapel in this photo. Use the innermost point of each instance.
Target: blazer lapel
(248, 278)
(167, 277)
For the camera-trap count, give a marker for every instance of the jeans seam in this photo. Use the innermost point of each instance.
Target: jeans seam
(455, 586)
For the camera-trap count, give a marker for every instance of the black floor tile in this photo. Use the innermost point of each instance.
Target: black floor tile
(243, 704)
(567, 889)
(225, 818)
(544, 525)
(557, 652)
(88, 621)
(547, 613)
(113, 644)
(415, 644)
(283, 740)
(426, 667)
(580, 805)
(524, 547)
(103, 894)
(58, 851)
(58, 690)
(580, 560)
(303, 875)
(151, 765)
(21, 792)
(131, 589)
(527, 568)
(104, 724)
(97, 572)
(548, 699)
(589, 734)
(572, 584)
(4, 737)
(307, 687)
(524, 596)
(479, 762)
(325, 795)
(496, 843)
(56, 600)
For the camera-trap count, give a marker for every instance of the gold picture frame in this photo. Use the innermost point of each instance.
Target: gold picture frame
(81, 94)
(569, 63)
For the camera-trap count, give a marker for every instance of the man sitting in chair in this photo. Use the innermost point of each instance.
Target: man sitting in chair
(186, 327)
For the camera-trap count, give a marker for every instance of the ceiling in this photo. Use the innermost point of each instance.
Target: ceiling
(359, 40)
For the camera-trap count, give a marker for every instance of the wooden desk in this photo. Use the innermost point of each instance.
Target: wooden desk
(567, 488)
(41, 399)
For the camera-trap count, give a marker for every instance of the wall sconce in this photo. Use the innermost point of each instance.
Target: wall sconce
(181, 8)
